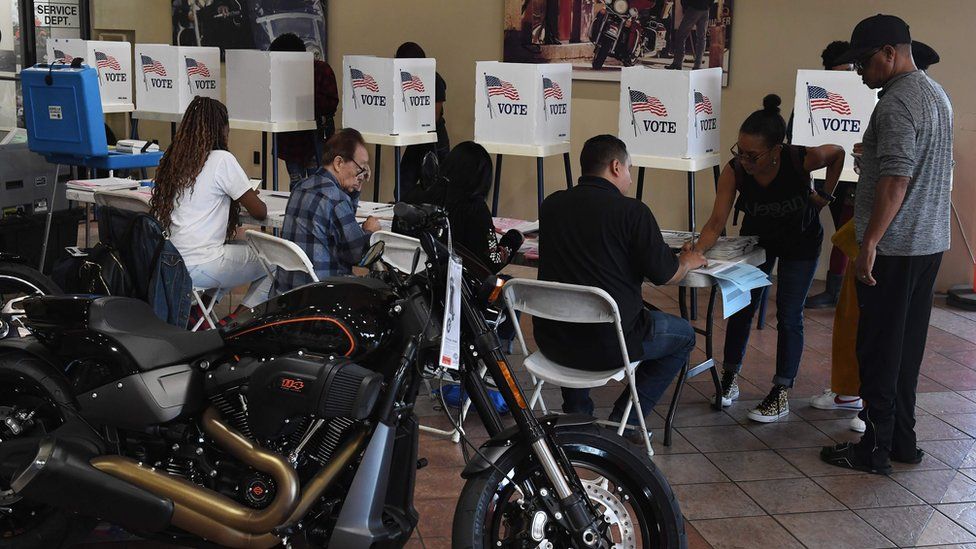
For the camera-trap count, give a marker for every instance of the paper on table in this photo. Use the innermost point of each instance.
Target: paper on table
(736, 282)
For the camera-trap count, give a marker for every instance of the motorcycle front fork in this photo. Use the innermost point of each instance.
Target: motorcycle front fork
(577, 515)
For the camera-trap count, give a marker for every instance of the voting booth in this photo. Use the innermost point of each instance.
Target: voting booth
(169, 77)
(522, 103)
(670, 113)
(112, 62)
(388, 96)
(831, 107)
(270, 87)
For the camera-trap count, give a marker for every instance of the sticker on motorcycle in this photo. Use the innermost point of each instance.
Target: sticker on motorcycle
(451, 332)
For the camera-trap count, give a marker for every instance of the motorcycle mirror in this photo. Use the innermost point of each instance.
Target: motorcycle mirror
(373, 254)
(633, 12)
(430, 170)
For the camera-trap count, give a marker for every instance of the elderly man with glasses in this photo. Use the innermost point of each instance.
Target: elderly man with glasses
(321, 212)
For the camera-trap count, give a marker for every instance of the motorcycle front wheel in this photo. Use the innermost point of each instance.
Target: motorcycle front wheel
(600, 54)
(627, 489)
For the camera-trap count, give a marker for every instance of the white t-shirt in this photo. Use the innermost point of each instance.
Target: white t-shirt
(198, 227)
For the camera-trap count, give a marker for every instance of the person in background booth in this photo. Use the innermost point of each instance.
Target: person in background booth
(781, 207)
(302, 151)
(321, 212)
(413, 156)
(594, 235)
(198, 192)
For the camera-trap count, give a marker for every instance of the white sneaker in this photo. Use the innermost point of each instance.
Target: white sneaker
(857, 425)
(830, 400)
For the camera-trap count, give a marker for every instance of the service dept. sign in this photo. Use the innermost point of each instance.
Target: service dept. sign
(670, 113)
(58, 15)
(522, 104)
(388, 96)
(831, 107)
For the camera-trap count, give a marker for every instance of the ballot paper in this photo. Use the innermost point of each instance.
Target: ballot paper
(726, 247)
(736, 282)
(375, 209)
(102, 184)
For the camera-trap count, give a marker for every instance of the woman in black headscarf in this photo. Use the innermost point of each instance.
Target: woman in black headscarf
(465, 179)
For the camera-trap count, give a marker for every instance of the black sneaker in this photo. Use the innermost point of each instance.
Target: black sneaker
(843, 455)
(911, 459)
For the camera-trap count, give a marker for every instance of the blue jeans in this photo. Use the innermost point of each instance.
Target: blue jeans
(793, 279)
(665, 351)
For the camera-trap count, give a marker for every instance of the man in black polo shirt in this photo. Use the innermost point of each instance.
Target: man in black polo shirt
(594, 235)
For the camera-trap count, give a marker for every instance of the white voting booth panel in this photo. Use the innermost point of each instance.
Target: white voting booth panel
(112, 60)
(831, 107)
(670, 113)
(388, 96)
(169, 77)
(267, 86)
(522, 103)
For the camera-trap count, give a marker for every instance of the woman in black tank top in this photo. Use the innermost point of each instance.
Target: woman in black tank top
(769, 182)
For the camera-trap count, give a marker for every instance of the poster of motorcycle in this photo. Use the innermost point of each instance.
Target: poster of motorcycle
(599, 37)
(249, 24)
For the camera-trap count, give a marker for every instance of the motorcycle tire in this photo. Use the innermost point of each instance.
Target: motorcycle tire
(602, 459)
(21, 275)
(27, 525)
(18, 280)
(600, 55)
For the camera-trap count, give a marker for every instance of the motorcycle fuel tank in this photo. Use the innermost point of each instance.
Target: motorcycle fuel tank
(341, 316)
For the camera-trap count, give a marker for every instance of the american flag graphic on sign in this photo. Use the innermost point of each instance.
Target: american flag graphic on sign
(194, 67)
(104, 61)
(497, 86)
(151, 65)
(411, 82)
(551, 89)
(363, 80)
(821, 98)
(640, 102)
(61, 57)
(702, 104)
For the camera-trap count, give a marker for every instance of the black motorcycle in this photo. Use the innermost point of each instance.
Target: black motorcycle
(295, 425)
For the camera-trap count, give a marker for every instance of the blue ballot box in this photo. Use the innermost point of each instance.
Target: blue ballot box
(63, 114)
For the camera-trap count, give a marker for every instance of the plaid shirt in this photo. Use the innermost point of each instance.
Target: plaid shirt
(321, 219)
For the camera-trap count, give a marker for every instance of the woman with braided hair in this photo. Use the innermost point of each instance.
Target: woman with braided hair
(197, 197)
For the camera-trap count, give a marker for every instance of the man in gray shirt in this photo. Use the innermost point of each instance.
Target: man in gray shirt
(901, 214)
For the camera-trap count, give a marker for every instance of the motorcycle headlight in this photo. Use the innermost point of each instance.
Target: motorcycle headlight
(621, 6)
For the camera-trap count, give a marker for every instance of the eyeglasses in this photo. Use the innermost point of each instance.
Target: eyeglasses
(859, 64)
(363, 173)
(744, 157)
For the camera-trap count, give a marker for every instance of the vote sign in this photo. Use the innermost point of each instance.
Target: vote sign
(831, 107)
(167, 77)
(388, 96)
(670, 113)
(522, 103)
(112, 61)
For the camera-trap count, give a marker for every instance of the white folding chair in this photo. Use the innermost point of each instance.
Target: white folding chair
(399, 250)
(579, 304)
(279, 253)
(123, 200)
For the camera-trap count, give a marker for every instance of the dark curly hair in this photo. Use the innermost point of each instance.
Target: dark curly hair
(766, 122)
(203, 129)
(832, 52)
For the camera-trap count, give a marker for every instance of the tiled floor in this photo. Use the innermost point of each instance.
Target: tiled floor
(742, 484)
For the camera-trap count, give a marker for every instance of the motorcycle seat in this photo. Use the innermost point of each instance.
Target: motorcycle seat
(150, 341)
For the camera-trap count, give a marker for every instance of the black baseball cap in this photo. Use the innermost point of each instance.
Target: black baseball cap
(874, 32)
